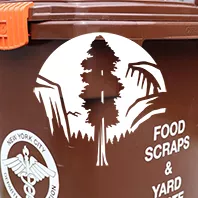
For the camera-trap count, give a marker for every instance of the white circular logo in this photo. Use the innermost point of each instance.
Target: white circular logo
(27, 167)
(102, 86)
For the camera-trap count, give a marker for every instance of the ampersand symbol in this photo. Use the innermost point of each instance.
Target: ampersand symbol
(168, 169)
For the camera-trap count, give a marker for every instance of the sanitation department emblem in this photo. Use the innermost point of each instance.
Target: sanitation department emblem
(27, 167)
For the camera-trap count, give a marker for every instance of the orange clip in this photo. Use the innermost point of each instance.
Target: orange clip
(14, 25)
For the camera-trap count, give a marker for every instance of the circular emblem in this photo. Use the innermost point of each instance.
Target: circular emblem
(27, 167)
(102, 86)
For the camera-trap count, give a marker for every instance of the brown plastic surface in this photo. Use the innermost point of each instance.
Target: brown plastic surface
(13, 25)
(128, 175)
(128, 11)
(136, 20)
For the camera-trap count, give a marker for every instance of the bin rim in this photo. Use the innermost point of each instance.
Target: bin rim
(137, 20)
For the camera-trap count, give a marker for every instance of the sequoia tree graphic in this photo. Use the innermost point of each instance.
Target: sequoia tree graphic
(102, 106)
(109, 97)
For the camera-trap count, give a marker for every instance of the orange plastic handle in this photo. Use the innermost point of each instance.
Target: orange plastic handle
(14, 25)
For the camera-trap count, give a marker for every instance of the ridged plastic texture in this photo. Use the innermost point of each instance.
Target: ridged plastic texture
(14, 25)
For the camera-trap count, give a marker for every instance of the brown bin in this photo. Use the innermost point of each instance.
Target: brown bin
(99, 99)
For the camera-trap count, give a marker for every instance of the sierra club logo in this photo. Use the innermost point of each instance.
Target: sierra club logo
(27, 167)
(100, 89)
